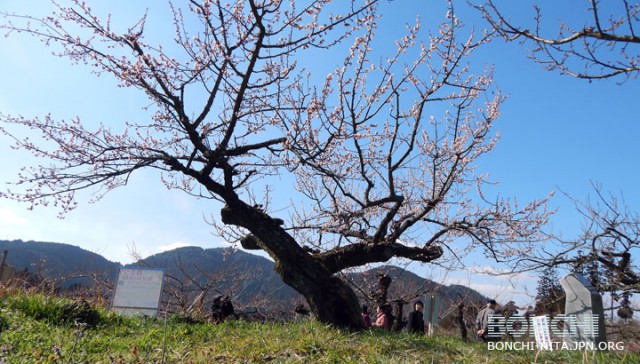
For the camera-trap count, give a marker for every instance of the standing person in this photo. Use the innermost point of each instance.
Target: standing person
(226, 309)
(482, 321)
(391, 319)
(461, 322)
(416, 319)
(366, 318)
(216, 310)
(381, 318)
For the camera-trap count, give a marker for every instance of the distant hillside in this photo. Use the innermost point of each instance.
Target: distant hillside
(55, 260)
(248, 278)
(405, 283)
(245, 276)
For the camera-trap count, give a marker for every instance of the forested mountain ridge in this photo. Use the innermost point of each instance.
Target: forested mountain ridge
(55, 260)
(244, 275)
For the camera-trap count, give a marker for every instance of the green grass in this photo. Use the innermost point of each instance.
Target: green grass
(40, 329)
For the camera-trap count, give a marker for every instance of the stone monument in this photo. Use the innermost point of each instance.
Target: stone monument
(431, 312)
(584, 324)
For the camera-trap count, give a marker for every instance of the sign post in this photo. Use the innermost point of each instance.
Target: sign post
(541, 332)
(138, 291)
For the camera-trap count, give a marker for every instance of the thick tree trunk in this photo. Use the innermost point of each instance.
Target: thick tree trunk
(331, 299)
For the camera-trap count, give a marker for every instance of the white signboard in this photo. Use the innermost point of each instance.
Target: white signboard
(541, 332)
(138, 291)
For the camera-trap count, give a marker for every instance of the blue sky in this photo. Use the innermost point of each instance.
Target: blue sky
(556, 133)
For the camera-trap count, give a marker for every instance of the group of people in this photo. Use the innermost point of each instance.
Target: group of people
(384, 318)
(222, 308)
(415, 322)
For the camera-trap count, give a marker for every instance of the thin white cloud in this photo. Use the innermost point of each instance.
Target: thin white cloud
(11, 218)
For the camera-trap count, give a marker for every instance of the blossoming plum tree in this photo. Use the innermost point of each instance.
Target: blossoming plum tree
(383, 149)
(603, 45)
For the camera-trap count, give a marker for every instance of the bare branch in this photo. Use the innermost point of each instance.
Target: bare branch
(595, 51)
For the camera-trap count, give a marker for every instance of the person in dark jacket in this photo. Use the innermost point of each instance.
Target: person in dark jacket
(226, 309)
(216, 310)
(221, 309)
(415, 323)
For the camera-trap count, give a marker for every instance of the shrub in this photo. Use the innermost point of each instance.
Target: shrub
(4, 323)
(53, 310)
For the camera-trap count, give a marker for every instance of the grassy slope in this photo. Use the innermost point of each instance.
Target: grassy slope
(34, 331)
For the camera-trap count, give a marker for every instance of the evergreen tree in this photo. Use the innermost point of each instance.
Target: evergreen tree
(600, 276)
(549, 292)
(625, 311)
